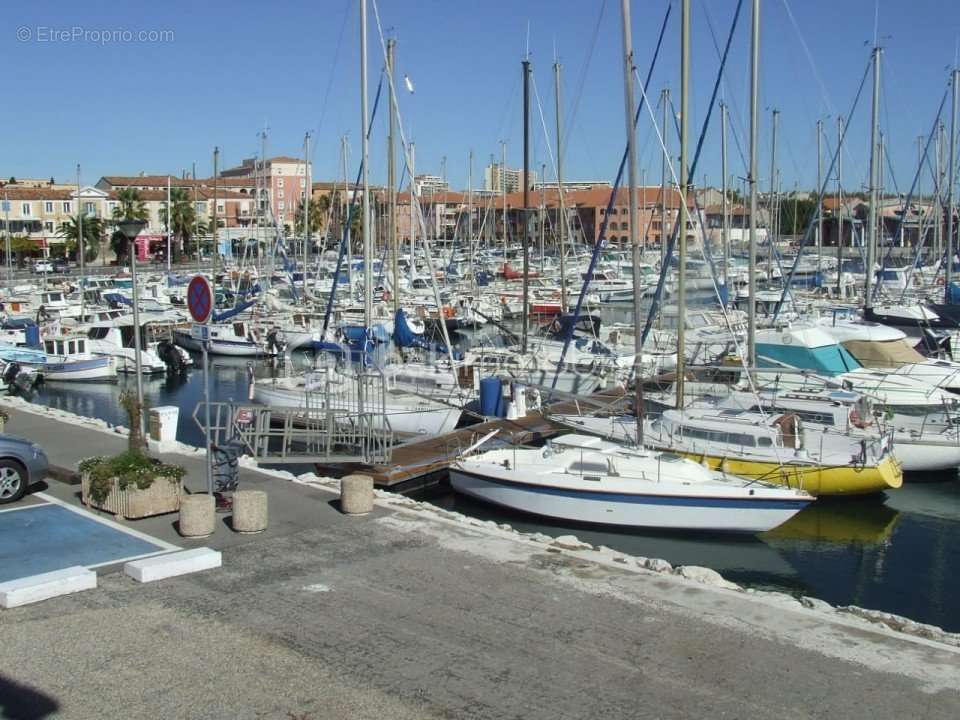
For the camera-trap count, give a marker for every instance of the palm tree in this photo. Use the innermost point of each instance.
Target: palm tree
(131, 205)
(92, 235)
(318, 216)
(183, 223)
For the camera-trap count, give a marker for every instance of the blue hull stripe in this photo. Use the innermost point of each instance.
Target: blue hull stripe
(672, 500)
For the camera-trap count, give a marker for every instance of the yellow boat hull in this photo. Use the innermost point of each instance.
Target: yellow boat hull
(815, 479)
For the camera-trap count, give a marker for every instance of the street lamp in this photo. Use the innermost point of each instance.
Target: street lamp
(131, 227)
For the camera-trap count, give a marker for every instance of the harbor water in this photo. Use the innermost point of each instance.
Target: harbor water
(894, 552)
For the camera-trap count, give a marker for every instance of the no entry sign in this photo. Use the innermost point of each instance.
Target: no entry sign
(200, 299)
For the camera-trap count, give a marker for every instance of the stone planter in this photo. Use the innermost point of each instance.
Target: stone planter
(163, 496)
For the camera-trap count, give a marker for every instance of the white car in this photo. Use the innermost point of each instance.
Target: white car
(43, 266)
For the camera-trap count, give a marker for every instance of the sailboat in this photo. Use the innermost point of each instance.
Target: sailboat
(585, 479)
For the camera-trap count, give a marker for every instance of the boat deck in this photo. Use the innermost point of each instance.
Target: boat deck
(419, 463)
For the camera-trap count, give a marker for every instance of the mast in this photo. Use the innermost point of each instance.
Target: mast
(364, 159)
(772, 200)
(664, 165)
(840, 206)
(951, 180)
(628, 104)
(306, 211)
(819, 197)
(938, 186)
(169, 219)
(874, 172)
(6, 224)
(81, 250)
(413, 214)
(503, 193)
(526, 205)
(196, 215)
(682, 214)
(473, 277)
(216, 250)
(562, 221)
(541, 214)
(392, 177)
(752, 180)
(261, 204)
(725, 239)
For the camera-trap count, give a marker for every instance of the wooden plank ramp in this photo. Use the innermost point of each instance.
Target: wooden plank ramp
(417, 459)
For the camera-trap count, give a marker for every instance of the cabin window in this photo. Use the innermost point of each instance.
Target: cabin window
(48, 346)
(71, 347)
(719, 436)
(238, 329)
(97, 333)
(588, 467)
(60, 348)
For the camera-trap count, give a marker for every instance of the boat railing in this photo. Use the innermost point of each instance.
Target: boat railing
(331, 426)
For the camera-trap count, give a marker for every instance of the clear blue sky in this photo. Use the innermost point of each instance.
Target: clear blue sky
(231, 67)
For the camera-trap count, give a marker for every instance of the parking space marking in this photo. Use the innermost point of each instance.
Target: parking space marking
(167, 547)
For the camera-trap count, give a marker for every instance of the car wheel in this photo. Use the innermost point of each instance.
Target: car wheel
(13, 481)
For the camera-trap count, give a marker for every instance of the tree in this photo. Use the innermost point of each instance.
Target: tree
(318, 216)
(183, 222)
(119, 244)
(22, 246)
(92, 235)
(131, 205)
(796, 214)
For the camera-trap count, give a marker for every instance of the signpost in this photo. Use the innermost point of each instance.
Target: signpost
(200, 304)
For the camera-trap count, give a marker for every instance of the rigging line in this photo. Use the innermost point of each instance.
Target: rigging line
(682, 192)
(821, 191)
(349, 219)
(671, 244)
(333, 71)
(809, 55)
(601, 237)
(909, 197)
(414, 192)
(733, 109)
(578, 94)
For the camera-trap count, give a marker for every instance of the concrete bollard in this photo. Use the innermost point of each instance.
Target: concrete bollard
(249, 511)
(356, 494)
(197, 515)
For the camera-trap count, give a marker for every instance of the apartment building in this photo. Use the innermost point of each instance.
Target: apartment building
(283, 182)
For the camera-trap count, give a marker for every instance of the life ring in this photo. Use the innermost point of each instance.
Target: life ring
(939, 281)
(448, 312)
(386, 296)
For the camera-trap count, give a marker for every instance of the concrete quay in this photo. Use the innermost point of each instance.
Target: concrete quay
(413, 612)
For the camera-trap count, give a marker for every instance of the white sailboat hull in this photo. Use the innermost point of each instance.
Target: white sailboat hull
(405, 416)
(621, 509)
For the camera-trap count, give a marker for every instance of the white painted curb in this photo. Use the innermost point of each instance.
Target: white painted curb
(173, 564)
(35, 588)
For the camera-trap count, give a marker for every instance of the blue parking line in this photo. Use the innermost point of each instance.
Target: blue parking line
(43, 538)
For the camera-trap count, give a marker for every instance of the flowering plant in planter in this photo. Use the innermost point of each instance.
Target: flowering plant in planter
(125, 484)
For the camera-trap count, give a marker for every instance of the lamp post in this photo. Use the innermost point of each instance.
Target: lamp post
(131, 228)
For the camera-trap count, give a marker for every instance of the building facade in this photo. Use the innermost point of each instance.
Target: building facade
(283, 183)
(499, 178)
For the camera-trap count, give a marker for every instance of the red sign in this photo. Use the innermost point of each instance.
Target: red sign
(200, 299)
